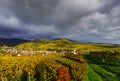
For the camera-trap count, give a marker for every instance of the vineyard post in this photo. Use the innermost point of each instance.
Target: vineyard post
(29, 79)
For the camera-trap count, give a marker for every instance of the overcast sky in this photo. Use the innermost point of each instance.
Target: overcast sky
(82, 20)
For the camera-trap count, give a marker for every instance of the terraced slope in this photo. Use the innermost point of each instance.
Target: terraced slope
(99, 70)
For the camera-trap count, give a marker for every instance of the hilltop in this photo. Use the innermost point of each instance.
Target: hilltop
(63, 43)
(48, 44)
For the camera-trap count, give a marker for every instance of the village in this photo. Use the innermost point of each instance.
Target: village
(23, 52)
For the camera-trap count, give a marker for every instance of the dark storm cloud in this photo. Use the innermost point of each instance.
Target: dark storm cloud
(107, 8)
(62, 13)
(11, 32)
(92, 20)
(47, 35)
(34, 11)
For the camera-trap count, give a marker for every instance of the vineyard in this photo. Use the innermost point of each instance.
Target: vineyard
(27, 68)
(103, 65)
(94, 66)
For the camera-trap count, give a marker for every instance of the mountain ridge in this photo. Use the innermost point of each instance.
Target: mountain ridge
(53, 43)
(12, 41)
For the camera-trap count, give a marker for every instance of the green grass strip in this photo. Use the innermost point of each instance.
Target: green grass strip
(113, 69)
(105, 74)
(91, 75)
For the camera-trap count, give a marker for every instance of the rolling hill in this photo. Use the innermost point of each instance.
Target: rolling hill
(64, 44)
(48, 44)
(60, 43)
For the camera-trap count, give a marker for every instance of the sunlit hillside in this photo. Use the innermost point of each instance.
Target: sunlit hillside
(48, 44)
(66, 44)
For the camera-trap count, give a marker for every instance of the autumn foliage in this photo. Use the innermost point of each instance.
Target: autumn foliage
(63, 74)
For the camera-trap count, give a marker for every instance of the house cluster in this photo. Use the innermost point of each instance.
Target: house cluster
(13, 50)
